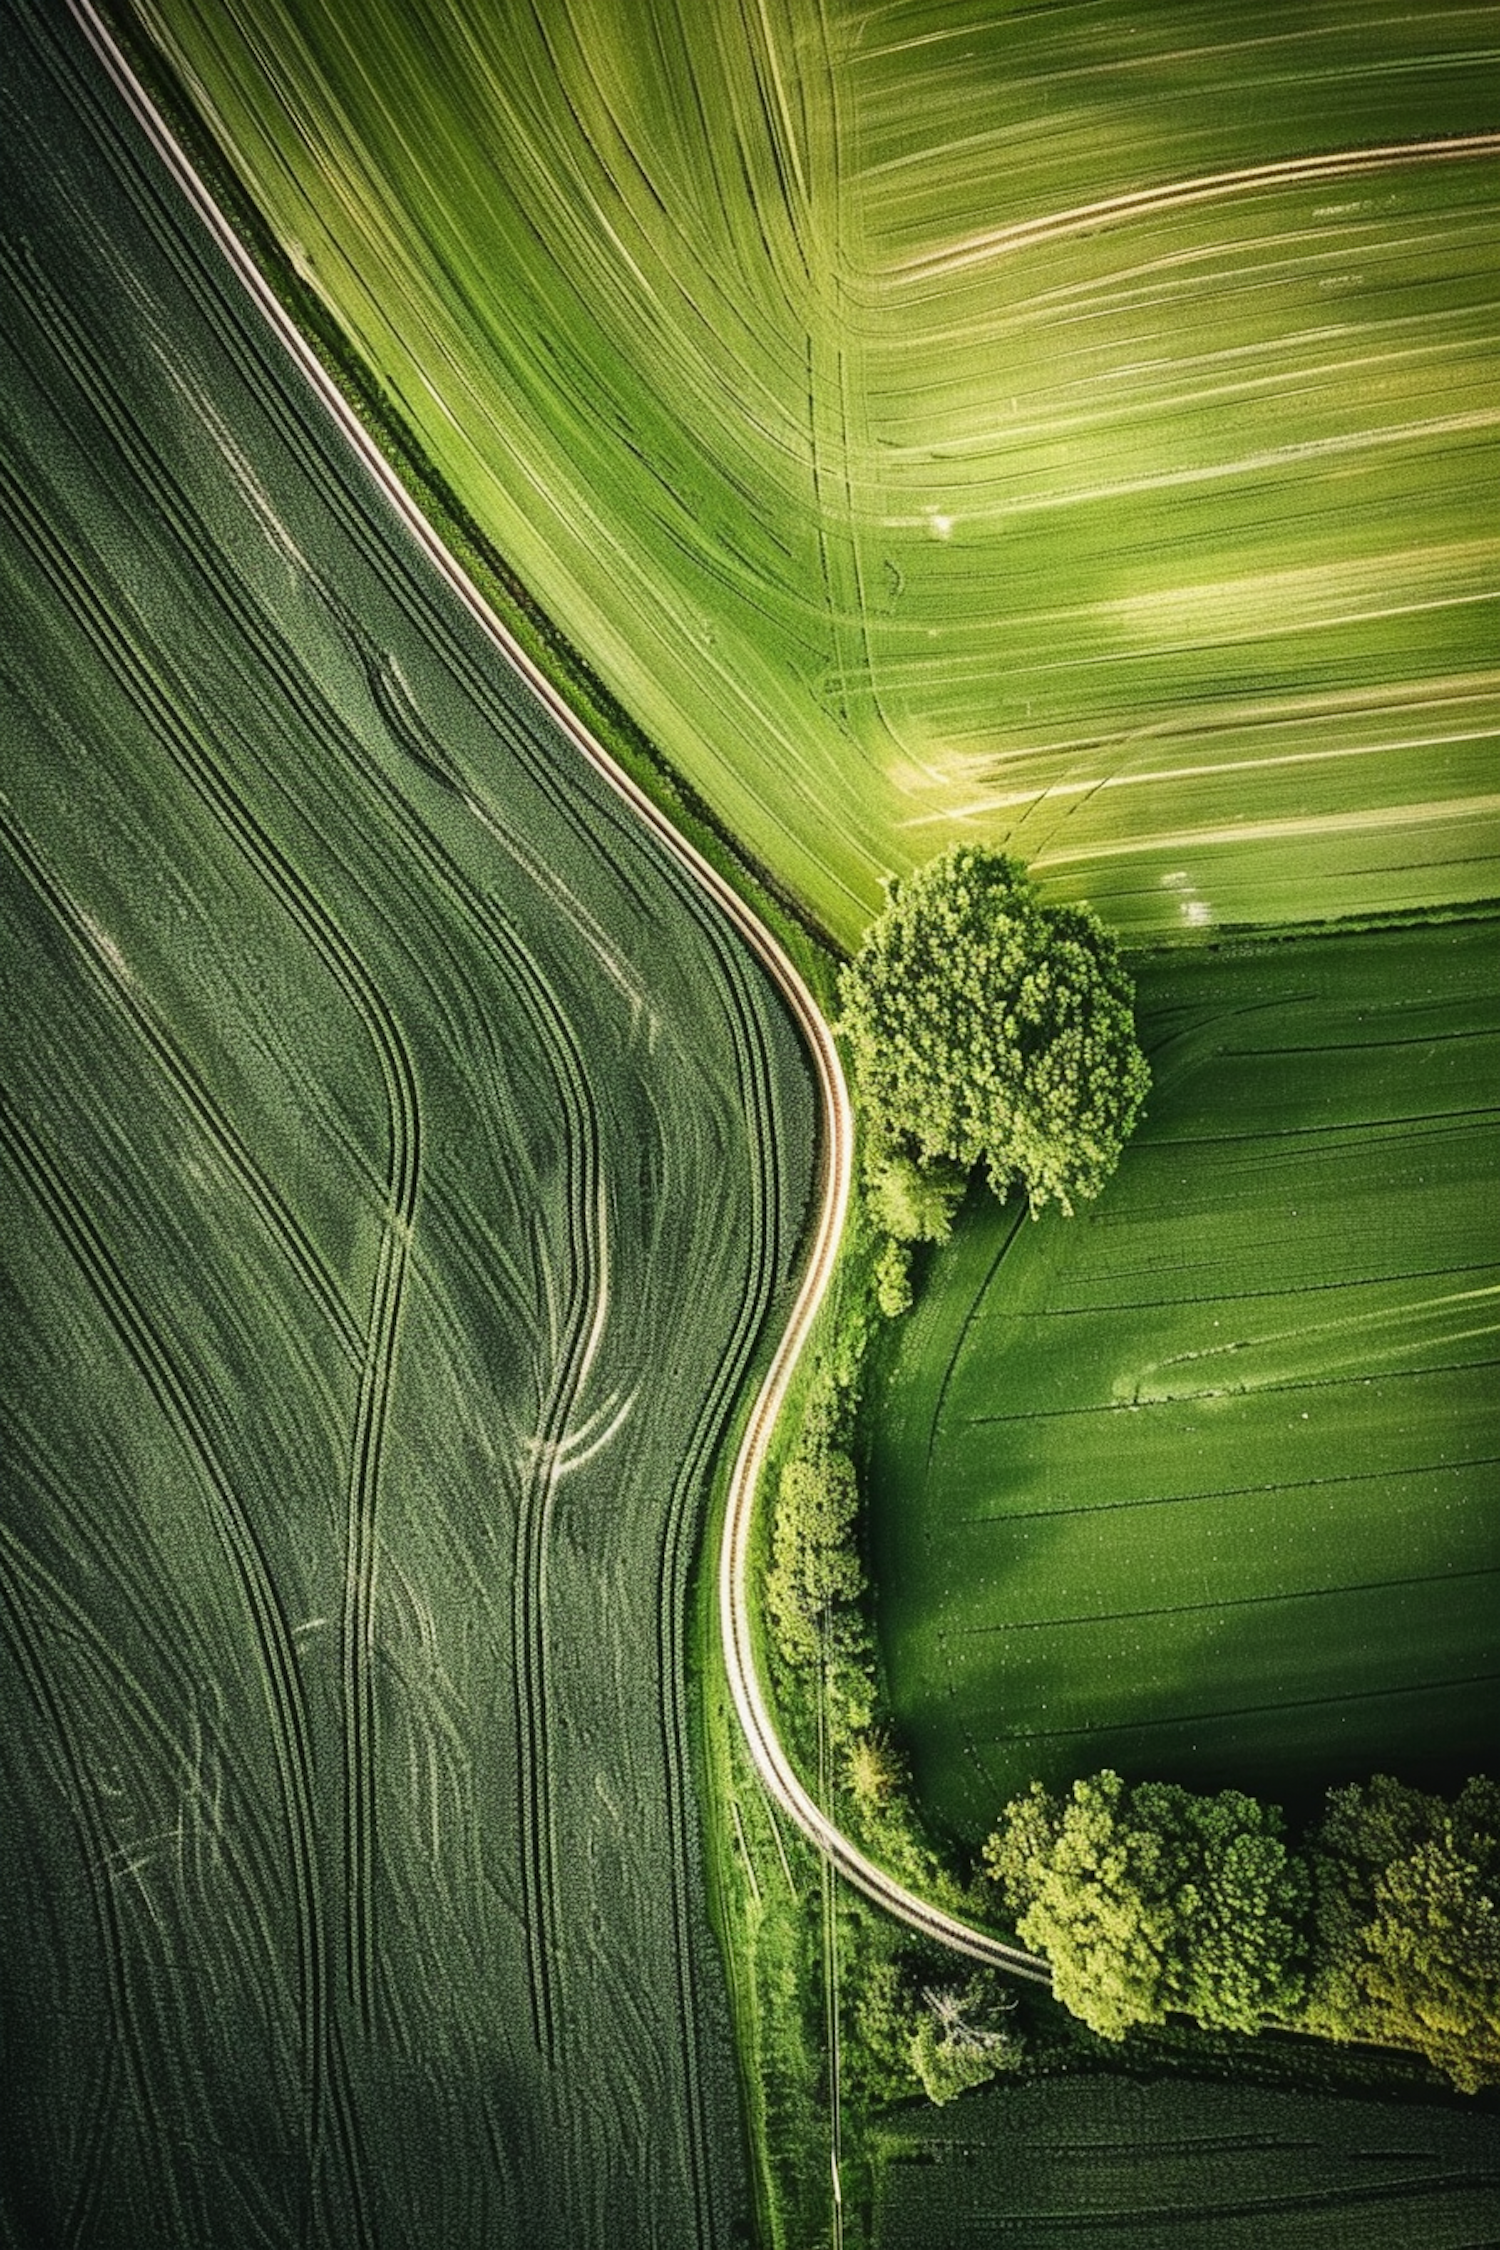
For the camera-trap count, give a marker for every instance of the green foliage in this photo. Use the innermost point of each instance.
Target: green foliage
(893, 1292)
(984, 1027)
(960, 2039)
(813, 1563)
(1151, 1899)
(1407, 1892)
(876, 1771)
(913, 1202)
(939, 2038)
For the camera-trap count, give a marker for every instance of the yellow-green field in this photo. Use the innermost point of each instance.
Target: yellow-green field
(918, 429)
(1199, 1484)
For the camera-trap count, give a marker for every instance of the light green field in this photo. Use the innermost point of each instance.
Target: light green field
(1156, 544)
(1200, 1484)
(372, 1080)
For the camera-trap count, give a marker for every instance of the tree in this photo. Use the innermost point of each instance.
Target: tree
(985, 1027)
(814, 1567)
(1085, 1890)
(958, 2040)
(911, 1202)
(1408, 1923)
(1152, 1899)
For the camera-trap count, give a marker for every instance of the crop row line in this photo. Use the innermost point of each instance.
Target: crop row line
(123, 996)
(1173, 195)
(151, 1353)
(835, 1167)
(318, 926)
(163, 700)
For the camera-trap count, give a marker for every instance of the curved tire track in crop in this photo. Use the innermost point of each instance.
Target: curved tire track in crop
(123, 996)
(163, 696)
(164, 701)
(323, 2089)
(770, 1758)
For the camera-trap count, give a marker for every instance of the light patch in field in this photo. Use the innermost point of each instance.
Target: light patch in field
(1264, 831)
(106, 948)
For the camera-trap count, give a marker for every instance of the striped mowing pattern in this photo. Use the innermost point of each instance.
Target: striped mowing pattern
(1070, 426)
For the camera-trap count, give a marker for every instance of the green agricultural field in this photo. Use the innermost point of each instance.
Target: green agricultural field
(896, 487)
(1185, 2167)
(372, 1082)
(1199, 1484)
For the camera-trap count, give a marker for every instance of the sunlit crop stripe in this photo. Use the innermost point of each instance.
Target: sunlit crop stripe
(1178, 194)
(1005, 801)
(1294, 825)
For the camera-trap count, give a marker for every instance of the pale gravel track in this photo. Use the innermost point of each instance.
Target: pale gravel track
(770, 1759)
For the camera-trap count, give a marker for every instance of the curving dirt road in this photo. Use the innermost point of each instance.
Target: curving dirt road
(771, 1761)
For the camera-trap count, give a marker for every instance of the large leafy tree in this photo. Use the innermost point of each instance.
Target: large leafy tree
(987, 1028)
(1151, 1899)
(1408, 1923)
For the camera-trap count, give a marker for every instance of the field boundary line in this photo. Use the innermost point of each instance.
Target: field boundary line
(1172, 195)
(771, 1761)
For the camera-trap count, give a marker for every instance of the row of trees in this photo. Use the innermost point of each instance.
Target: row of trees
(981, 1028)
(916, 2030)
(1384, 1926)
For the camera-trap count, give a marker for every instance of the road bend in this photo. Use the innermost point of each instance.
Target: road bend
(777, 1774)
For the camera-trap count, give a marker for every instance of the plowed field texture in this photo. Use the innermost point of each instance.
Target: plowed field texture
(1069, 426)
(372, 1082)
(1200, 1484)
(1185, 2167)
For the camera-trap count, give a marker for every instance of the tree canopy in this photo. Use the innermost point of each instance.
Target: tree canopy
(1150, 1899)
(1407, 1889)
(985, 1027)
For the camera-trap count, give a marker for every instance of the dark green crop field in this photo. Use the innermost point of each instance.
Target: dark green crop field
(1201, 1483)
(372, 1083)
(1180, 2166)
(1069, 427)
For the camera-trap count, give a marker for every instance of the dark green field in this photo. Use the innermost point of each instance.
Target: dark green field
(1181, 2166)
(372, 1082)
(1200, 1484)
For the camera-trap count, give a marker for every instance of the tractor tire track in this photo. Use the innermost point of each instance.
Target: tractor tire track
(30, 1652)
(1176, 195)
(161, 700)
(714, 897)
(576, 1334)
(123, 997)
(162, 697)
(584, 1193)
(205, 1448)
